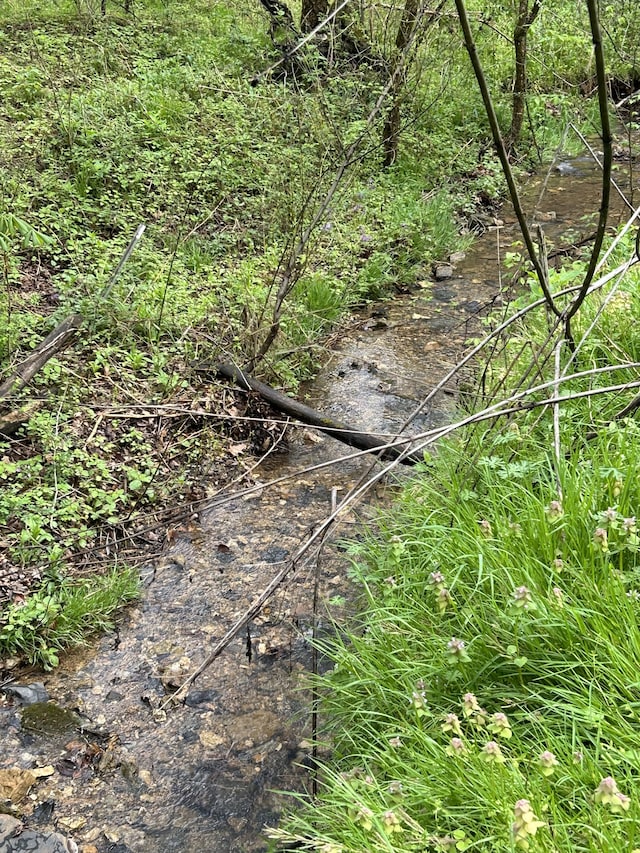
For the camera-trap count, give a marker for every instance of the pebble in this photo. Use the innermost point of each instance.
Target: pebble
(28, 694)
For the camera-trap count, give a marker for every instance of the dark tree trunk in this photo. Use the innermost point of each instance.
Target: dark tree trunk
(283, 30)
(391, 130)
(524, 20)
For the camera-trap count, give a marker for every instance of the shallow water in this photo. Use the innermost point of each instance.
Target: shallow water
(201, 776)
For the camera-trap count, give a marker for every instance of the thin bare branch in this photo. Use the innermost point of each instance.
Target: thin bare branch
(607, 146)
(597, 159)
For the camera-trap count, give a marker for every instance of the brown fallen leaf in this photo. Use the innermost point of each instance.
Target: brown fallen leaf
(237, 449)
(15, 784)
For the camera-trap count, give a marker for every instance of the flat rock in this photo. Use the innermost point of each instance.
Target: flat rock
(28, 694)
(15, 839)
(442, 271)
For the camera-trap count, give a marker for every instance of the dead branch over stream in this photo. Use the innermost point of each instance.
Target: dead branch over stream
(305, 414)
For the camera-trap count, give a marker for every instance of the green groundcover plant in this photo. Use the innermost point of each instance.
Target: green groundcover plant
(487, 697)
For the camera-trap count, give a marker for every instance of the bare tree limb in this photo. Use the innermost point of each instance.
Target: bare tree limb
(607, 146)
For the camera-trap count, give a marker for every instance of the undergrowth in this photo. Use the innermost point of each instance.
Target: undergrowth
(62, 613)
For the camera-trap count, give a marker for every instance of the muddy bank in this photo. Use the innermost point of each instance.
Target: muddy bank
(129, 773)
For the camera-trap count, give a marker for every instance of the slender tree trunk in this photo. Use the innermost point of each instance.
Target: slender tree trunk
(524, 20)
(412, 16)
(391, 129)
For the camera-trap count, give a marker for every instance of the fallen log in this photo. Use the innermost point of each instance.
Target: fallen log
(309, 416)
(54, 343)
(11, 421)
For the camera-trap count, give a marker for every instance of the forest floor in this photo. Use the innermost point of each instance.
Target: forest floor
(107, 123)
(465, 658)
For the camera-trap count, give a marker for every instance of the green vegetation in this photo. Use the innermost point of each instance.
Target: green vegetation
(166, 114)
(487, 697)
(61, 614)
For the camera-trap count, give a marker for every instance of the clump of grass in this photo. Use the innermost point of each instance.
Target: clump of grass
(63, 613)
(487, 696)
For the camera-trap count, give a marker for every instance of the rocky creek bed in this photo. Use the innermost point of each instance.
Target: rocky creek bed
(93, 751)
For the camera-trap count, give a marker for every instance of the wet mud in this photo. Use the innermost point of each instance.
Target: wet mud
(130, 773)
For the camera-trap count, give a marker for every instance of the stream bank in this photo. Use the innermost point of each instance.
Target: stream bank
(130, 775)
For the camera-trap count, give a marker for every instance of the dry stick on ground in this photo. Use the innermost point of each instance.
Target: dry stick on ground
(54, 343)
(60, 337)
(11, 421)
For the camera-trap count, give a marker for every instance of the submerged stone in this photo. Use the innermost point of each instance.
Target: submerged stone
(47, 718)
(567, 169)
(14, 839)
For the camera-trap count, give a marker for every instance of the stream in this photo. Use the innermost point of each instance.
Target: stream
(125, 774)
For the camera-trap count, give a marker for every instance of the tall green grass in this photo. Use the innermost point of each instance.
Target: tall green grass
(487, 697)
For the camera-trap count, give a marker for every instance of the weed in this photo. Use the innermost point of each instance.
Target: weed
(63, 613)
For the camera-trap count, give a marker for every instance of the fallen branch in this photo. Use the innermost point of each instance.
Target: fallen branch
(59, 338)
(11, 421)
(309, 416)
(54, 343)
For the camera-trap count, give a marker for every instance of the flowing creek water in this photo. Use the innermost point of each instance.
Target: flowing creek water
(126, 775)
